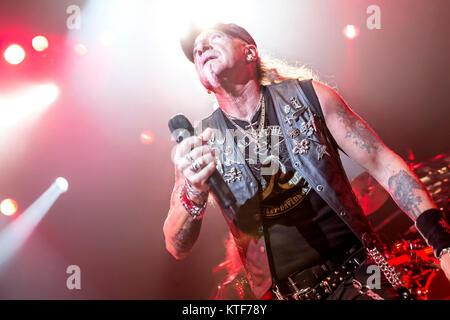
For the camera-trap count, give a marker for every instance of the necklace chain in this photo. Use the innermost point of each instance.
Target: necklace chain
(255, 133)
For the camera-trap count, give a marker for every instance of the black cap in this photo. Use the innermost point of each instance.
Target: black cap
(187, 42)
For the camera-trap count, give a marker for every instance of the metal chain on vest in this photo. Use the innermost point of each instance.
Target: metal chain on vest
(386, 268)
(365, 290)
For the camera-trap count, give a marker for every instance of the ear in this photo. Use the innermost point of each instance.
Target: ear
(251, 52)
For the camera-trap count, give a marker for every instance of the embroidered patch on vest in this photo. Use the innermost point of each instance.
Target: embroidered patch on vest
(286, 205)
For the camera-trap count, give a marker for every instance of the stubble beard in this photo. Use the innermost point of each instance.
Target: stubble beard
(211, 76)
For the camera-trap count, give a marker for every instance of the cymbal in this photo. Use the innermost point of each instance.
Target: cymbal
(435, 175)
(371, 195)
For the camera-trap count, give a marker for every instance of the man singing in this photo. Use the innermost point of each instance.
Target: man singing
(298, 227)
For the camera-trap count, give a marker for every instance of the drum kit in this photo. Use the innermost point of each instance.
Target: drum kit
(405, 249)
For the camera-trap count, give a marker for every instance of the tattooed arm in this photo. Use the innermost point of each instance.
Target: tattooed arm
(362, 145)
(180, 229)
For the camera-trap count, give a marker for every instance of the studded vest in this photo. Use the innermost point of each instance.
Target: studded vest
(314, 155)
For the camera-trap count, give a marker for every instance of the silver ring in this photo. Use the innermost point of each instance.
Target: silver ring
(189, 157)
(195, 166)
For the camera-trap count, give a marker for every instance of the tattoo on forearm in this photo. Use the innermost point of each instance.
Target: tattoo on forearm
(185, 238)
(402, 187)
(357, 130)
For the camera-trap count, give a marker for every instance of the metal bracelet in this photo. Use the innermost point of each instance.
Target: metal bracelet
(194, 192)
(196, 211)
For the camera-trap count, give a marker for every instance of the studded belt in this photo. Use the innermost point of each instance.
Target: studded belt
(318, 282)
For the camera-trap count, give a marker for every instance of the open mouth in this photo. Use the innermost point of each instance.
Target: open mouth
(212, 57)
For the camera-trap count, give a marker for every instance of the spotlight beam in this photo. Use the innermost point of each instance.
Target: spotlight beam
(14, 236)
(28, 102)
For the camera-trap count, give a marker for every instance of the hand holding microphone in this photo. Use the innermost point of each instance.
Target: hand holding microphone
(196, 162)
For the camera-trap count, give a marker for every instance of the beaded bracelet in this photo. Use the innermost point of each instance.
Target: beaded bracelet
(195, 210)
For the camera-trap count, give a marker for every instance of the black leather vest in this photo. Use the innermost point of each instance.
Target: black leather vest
(314, 155)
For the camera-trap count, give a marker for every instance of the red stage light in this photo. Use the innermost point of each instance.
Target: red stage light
(351, 31)
(14, 54)
(40, 43)
(8, 207)
(147, 137)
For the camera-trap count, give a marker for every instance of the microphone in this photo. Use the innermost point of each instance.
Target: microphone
(181, 128)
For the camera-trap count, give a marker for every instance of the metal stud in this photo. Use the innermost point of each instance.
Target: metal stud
(232, 175)
(294, 133)
(289, 120)
(297, 105)
(306, 128)
(321, 151)
(301, 147)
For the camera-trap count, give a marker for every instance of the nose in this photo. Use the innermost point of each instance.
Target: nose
(202, 47)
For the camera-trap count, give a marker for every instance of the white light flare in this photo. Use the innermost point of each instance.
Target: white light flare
(62, 184)
(80, 49)
(147, 137)
(106, 38)
(14, 236)
(351, 31)
(175, 16)
(8, 207)
(14, 54)
(25, 103)
(39, 43)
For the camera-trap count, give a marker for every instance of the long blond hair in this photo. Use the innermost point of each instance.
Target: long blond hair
(272, 70)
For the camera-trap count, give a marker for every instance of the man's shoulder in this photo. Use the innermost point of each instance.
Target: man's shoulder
(208, 121)
(312, 88)
(290, 82)
(212, 116)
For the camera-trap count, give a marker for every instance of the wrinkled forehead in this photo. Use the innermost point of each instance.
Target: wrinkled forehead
(206, 34)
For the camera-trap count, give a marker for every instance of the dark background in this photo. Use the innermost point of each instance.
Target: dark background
(110, 221)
